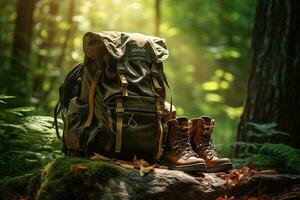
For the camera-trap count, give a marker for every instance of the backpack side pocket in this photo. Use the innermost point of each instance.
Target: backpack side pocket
(75, 123)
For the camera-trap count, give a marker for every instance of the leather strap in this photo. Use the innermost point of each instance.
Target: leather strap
(154, 75)
(122, 78)
(159, 115)
(57, 110)
(170, 90)
(91, 98)
(119, 125)
(111, 138)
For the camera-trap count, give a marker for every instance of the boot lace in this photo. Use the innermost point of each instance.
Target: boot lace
(206, 143)
(182, 143)
(208, 148)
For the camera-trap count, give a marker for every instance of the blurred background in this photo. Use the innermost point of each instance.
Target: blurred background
(209, 44)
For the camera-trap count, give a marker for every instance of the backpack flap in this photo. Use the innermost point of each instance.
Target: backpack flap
(125, 46)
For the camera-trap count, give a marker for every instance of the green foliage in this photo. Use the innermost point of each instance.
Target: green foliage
(267, 154)
(265, 130)
(24, 185)
(27, 142)
(59, 180)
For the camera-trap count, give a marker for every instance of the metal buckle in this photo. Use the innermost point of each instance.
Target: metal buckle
(159, 113)
(119, 110)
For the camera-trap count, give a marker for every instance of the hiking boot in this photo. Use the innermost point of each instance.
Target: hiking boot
(202, 144)
(179, 154)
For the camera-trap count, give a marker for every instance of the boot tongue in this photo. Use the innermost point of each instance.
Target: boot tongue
(183, 121)
(207, 119)
(208, 124)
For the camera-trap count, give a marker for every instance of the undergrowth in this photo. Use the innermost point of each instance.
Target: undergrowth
(266, 153)
(27, 141)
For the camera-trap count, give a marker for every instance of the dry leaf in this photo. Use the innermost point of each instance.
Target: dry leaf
(267, 172)
(97, 156)
(237, 176)
(19, 197)
(225, 198)
(98, 185)
(222, 175)
(162, 167)
(127, 166)
(121, 162)
(141, 162)
(145, 170)
(77, 168)
(143, 166)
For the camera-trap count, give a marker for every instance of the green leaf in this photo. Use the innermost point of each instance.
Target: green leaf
(5, 125)
(20, 110)
(6, 97)
(3, 102)
(263, 127)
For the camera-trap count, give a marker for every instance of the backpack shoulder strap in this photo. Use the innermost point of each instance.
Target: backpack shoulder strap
(91, 97)
(57, 110)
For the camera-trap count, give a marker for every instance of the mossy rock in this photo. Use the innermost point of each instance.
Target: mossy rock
(58, 180)
(79, 178)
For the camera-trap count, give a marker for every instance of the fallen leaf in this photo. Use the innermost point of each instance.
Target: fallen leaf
(77, 168)
(97, 156)
(145, 170)
(127, 166)
(269, 171)
(141, 162)
(98, 185)
(156, 165)
(19, 197)
(222, 175)
(162, 167)
(225, 198)
(143, 166)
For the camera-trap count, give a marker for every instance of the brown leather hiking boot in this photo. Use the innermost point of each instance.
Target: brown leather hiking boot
(178, 153)
(202, 144)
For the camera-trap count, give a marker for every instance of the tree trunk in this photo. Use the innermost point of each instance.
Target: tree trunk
(274, 84)
(157, 16)
(21, 46)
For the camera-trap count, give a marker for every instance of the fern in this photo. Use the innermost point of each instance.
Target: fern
(3, 97)
(282, 152)
(265, 130)
(281, 157)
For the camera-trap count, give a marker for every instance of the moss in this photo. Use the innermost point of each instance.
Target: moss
(59, 182)
(10, 188)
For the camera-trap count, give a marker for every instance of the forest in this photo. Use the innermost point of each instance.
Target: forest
(236, 61)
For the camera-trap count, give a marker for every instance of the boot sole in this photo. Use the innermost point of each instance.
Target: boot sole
(221, 168)
(199, 167)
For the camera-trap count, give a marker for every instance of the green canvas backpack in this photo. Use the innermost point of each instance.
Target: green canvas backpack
(114, 103)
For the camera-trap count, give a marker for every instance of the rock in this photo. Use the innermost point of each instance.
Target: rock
(78, 178)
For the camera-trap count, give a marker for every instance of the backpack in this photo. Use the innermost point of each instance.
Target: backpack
(114, 102)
